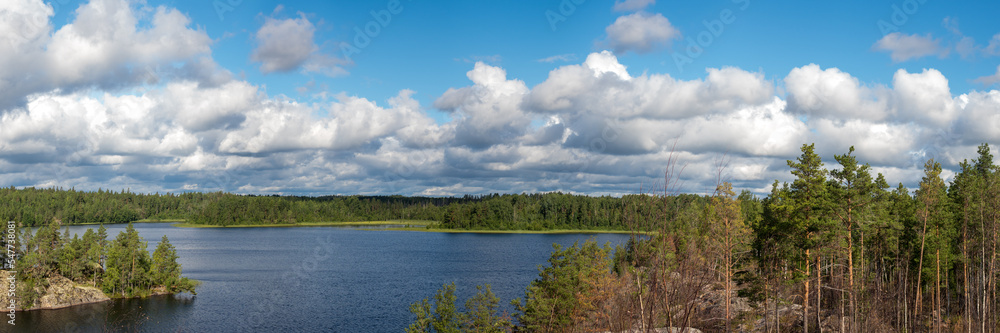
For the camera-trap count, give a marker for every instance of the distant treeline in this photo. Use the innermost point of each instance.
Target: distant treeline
(563, 211)
(33, 207)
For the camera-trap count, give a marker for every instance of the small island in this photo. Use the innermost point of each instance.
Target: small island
(51, 270)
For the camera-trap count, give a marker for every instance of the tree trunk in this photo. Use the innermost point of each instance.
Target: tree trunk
(982, 281)
(777, 322)
(642, 309)
(966, 300)
(850, 270)
(805, 303)
(907, 320)
(819, 294)
(920, 269)
(992, 281)
(729, 264)
(937, 292)
(864, 286)
(843, 327)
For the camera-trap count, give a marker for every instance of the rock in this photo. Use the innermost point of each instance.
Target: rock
(62, 292)
(678, 330)
(4, 300)
(711, 302)
(666, 330)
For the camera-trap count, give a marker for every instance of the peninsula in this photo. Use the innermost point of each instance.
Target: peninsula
(49, 270)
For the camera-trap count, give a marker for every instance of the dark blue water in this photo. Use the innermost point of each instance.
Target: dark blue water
(316, 279)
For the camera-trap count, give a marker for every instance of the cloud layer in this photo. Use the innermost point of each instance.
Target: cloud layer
(640, 32)
(143, 106)
(903, 47)
(286, 45)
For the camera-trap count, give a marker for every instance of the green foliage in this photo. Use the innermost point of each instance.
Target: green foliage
(128, 270)
(536, 212)
(481, 314)
(809, 201)
(442, 315)
(558, 298)
(938, 232)
(32, 207)
(128, 258)
(165, 271)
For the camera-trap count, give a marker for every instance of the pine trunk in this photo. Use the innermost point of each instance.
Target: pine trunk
(729, 264)
(966, 300)
(819, 294)
(805, 303)
(920, 270)
(850, 273)
(937, 292)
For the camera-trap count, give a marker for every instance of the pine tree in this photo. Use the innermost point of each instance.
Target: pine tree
(808, 208)
(729, 235)
(851, 192)
(127, 264)
(933, 213)
(555, 301)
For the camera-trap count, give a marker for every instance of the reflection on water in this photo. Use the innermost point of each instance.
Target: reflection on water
(316, 279)
(119, 315)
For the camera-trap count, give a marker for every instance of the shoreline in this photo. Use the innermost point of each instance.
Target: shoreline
(307, 224)
(400, 225)
(136, 221)
(95, 302)
(485, 231)
(416, 226)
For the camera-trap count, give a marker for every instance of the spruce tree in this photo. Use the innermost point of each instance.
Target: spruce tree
(165, 271)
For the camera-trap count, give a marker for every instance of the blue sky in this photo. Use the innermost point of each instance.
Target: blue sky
(457, 97)
(428, 46)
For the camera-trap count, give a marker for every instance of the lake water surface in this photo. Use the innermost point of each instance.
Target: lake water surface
(311, 279)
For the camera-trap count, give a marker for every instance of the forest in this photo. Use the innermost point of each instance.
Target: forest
(120, 267)
(33, 207)
(835, 250)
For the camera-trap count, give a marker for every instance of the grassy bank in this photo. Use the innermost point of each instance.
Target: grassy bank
(556, 231)
(158, 221)
(312, 224)
(411, 225)
(136, 221)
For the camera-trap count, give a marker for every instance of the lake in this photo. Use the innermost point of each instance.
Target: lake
(311, 279)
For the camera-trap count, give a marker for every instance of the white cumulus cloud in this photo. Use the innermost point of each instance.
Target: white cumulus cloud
(632, 5)
(640, 32)
(286, 45)
(903, 47)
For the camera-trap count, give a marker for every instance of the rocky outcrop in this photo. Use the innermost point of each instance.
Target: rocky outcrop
(60, 293)
(711, 302)
(4, 299)
(665, 330)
